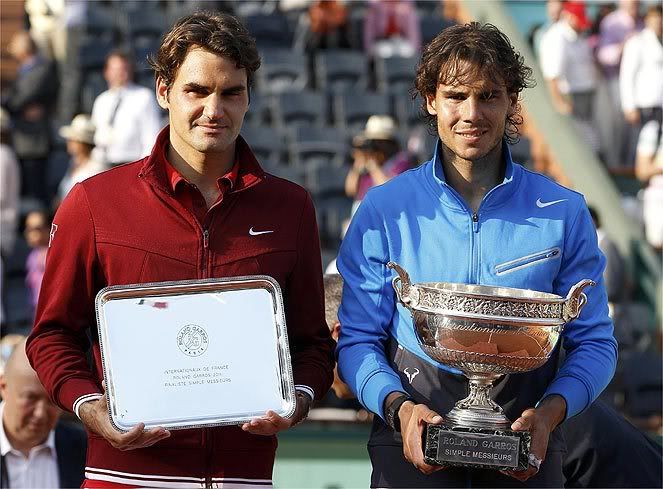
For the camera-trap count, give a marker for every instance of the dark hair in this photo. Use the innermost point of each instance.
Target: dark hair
(218, 33)
(123, 55)
(486, 51)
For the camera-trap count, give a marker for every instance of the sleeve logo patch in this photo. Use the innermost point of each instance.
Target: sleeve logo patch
(54, 228)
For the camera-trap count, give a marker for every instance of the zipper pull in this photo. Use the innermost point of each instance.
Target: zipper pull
(475, 222)
(205, 238)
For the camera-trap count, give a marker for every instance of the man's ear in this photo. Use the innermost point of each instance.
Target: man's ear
(3, 386)
(430, 104)
(162, 93)
(513, 104)
(336, 331)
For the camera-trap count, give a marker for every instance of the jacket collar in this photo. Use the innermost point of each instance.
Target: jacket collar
(495, 197)
(153, 170)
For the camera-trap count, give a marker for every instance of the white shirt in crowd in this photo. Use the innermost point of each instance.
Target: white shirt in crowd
(10, 187)
(76, 175)
(127, 121)
(567, 56)
(38, 470)
(641, 72)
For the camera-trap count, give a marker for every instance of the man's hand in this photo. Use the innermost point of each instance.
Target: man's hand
(272, 423)
(94, 415)
(540, 422)
(413, 418)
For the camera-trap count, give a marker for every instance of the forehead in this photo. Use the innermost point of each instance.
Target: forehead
(462, 73)
(204, 67)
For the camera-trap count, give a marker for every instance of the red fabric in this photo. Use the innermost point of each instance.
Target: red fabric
(188, 194)
(125, 226)
(92, 484)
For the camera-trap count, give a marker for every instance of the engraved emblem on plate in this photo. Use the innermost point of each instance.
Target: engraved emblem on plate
(192, 340)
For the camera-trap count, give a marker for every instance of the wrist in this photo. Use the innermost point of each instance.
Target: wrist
(553, 408)
(393, 404)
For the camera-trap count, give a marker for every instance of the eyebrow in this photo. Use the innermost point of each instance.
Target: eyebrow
(231, 89)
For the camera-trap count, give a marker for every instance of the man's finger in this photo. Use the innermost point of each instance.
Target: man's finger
(525, 421)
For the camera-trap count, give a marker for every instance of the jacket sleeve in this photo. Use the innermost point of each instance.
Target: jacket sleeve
(366, 310)
(57, 345)
(311, 345)
(591, 349)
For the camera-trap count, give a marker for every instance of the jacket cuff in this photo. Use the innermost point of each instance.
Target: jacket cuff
(72, 391)
(376, 388)
(306, 390)
(574, 393)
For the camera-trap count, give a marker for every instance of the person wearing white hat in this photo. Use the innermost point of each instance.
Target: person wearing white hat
(377, 157)
(80, 143)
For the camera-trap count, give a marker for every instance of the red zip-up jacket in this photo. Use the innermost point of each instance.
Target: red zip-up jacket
(125, 226)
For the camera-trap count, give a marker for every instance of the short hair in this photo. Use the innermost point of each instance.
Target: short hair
(486, 51)
(333, 291)
(218, 33)
(123, 55)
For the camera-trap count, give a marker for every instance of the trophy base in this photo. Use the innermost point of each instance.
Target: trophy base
(479, 448)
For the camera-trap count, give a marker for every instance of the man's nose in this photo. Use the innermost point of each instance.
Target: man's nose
(213, 107)
(471, 109)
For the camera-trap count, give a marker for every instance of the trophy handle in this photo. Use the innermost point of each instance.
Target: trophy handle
(402, 285)
(576, 300)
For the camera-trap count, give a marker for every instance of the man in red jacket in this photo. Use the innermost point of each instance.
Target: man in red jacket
(199, 206)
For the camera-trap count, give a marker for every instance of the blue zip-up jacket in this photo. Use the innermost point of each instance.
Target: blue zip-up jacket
(529, 232)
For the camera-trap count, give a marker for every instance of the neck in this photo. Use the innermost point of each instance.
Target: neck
(473, 179)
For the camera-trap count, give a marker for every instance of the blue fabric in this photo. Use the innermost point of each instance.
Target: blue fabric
(420, 222)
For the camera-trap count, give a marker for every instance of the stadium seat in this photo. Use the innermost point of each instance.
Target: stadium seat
(93, 84)
(304, 108)
(332, 214)
(313, 145)
(395, 75)
(260, 112)
(282, 71)
(324, 180)
(267, 143)
(408, 112)
(431, 27)
(92, 53)
(144, 21)
(352, 110)
(270, 30)
(643, 384)
(339, 71)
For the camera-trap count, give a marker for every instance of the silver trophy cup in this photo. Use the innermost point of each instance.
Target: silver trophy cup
(485, 332)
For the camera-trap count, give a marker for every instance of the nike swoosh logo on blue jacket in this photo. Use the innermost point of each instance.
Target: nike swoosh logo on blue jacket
(420, 222)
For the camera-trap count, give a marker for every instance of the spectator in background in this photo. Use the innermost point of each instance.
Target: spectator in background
(641, 73)
(649, 170)
(10, 185)
(567, 63)
(37, 449)
(37, 235)
(328, 26)
(553, 11)
(80, 143)
(29, 102)
(126, 115)
(377, 157)
(391, 29)
(613, 275)
(614, 30)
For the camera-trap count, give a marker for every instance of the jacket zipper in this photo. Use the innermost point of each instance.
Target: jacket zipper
(205, 252)
(526, 261)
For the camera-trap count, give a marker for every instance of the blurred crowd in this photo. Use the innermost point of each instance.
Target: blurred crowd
(331, 110)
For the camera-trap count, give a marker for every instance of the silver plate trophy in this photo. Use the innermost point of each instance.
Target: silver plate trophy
(485, 332)
(191, 354)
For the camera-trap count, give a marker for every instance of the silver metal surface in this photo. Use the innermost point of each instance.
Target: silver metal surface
(486, 332)
(195, 353)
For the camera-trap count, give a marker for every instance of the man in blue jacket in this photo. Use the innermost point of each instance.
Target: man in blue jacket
(469, 215)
